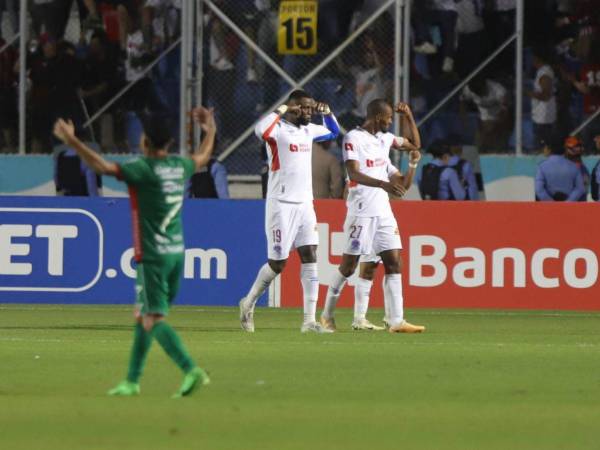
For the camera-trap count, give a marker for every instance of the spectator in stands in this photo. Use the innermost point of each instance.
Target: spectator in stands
(573, 152)
(72, 177)
(11, 8)
(472, 46)
(210, 181)
(8, 98)
(221, 76)
(43, 18)
(543, 98)
(444, 13)
(595, 177)
(368, 83)
(438, 181)
(491, 100)
(464, 170)
(161, 22)
(420, 23)
(328, 180)
(588, 84)
(558, 179)
(500, 25)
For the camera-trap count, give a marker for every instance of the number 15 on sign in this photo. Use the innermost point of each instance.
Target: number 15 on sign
(297, 31)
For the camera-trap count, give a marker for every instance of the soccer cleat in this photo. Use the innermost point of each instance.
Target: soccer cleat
(314, 327)
(364, 324)
(125, 389)
(405, 327)
(193, 379)
(386, 323)
(328, 324)
(246, 316)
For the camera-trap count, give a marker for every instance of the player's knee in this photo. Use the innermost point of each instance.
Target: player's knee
(367, 271)
(277, 266)
(393, 267)
(348, 267)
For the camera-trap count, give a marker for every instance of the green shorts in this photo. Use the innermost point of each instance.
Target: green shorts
(157, 283)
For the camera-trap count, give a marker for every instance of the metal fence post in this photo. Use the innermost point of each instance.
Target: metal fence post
(22, 76)
(519, 79)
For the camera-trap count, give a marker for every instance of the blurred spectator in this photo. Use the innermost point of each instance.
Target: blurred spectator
(72, 177)
(8, 98)
(368, 83)
(543, 98)
(328, 180)
(444, 13)
(11, 8)
(64, 93)
(573, 152)
(161, 22)
(420, 23)
(43, 17)
(558, 179)
(465, 172)
(210, 181)
(491, 100)
(500, 25)
(472, 39)
(595, 177)
(267, 40)
(221, 75)
(438, 181)
(588, 84)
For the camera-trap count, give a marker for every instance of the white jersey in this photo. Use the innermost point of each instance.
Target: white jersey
(372, 153)
(289, 151)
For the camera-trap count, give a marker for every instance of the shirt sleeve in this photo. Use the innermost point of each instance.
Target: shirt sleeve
(578, 188)
(326, 132)
(469, 176)
(540, 186)
(391, 169)
(350, 148)
(219, 174)
(398, 141)
(134, 172)
(458, 192)
(266, 127)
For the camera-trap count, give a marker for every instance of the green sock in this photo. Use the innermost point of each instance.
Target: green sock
(172, 345)
(139, 350)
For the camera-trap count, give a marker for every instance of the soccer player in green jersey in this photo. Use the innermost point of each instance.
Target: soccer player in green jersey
(156, 184)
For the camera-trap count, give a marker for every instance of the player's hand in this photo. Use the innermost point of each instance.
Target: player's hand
(205, 118)
(403, 108)
(395, 189)
(414, 156)
(64, 130)
(321, 108)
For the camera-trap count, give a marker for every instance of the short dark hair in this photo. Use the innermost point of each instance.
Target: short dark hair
(377, 106)
(439, 148)
(156, 130)
(298, 94)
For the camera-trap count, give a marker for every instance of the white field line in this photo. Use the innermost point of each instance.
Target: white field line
(353, 343)
(233, 309)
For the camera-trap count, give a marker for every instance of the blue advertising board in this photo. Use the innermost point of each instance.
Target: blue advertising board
(79, 250)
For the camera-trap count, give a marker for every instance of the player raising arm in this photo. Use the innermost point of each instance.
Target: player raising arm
(156, 184)
(290, 220)
(370, 225)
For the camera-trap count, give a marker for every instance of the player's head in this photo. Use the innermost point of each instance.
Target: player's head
(156, 134)
(380, 113)
(305, 101)
(573, 147)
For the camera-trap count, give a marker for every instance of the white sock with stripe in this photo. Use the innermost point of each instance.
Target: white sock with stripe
(337, 283)
(262, 282)
(310, 287)
(362, 290)
(392, 292)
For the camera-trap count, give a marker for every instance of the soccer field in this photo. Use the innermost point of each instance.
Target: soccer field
(475, 380)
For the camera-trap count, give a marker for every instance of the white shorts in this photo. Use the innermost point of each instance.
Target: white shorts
(371, 235)
(289, 226)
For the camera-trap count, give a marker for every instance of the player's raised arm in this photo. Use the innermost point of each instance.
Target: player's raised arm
(266, 127)
(205, 118)
(330, 128)
(413, 139)
(65, 131)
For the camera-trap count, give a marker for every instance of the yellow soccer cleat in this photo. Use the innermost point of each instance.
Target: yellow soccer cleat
(328, 324)
(405, 327)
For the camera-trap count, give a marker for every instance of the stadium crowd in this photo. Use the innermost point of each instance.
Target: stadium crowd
(78, 61)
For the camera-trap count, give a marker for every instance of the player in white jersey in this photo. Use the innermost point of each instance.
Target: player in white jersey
(370, 225)
(290, 219)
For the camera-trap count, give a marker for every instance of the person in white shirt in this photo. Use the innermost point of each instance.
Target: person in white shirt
(290, 219)
(370, 226)
(543, 98)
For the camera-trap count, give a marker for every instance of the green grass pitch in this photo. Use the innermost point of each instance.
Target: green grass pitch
(475, 380)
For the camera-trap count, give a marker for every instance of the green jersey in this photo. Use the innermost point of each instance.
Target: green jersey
(156, 190)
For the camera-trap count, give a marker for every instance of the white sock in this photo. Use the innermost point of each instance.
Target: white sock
(262, 282)
(362, 290)
(386, 302)
(310, 286)
(392, 291)
(337, 283)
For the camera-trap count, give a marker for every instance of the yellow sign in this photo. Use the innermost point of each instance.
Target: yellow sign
(297, 30)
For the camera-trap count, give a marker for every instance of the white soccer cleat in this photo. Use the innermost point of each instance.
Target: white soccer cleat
(364, 324)
(328, 324)
(246, 316)
(314, 327)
